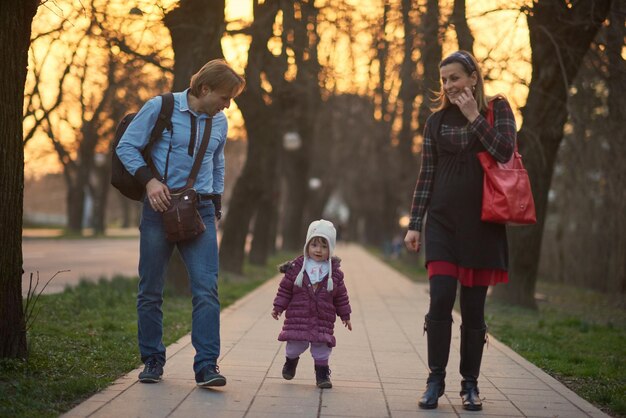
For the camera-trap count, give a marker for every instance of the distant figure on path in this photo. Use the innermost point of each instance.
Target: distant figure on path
(459, 246)
(195, 110)
(313, 294)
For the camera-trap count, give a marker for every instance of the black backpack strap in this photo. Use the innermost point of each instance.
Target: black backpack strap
(164, 120)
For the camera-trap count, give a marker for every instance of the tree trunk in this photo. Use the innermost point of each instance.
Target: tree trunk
(296, 181)
(261, 118)
(101, 194)
(300, 102)
(617, 172)
(252, 186)
(559, 37)
(409, 89)
(463, 33)
(431, 57)
(196, 28)
(75, 203)
(15, 21)
(263, 236)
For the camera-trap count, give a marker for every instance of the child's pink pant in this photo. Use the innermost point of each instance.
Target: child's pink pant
(319, 351)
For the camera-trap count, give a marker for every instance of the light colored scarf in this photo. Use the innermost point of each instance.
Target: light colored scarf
(316, 270)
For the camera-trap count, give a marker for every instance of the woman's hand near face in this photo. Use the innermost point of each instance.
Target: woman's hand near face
(412, 241)
(467, 104)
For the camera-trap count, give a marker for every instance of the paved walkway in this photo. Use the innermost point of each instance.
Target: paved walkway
(378, 369)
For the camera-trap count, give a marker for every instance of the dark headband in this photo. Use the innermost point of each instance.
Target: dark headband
(461, 58)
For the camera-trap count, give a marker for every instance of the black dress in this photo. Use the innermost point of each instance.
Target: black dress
(454, 231)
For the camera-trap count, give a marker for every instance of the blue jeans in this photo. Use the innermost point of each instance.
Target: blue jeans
(200, 256)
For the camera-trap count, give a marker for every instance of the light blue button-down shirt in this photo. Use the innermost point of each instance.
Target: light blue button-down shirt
(210, 178)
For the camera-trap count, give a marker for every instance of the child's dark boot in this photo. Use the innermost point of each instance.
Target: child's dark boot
(289, 369)
(322, 376)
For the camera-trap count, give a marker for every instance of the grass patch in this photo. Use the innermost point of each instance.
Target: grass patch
(586, 354)
(86, 337)
(577, 335)
(409, 264)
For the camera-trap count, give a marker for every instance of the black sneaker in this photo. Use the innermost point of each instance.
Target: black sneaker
(152, 371)
(289, 368)
(210, 376)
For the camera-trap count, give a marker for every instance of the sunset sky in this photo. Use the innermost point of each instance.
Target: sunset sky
(498, 26)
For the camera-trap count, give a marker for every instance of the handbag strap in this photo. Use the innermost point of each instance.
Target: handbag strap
(489, 115)
(197, 162)
(490, 120)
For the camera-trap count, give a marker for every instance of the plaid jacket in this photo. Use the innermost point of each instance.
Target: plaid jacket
(498, 140)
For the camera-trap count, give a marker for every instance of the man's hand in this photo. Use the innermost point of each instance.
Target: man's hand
(412, 241)
(158, 195)
(347, 324)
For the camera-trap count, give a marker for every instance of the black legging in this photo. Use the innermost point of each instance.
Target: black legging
(442, 295)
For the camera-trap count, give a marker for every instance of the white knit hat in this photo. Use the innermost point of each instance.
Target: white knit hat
(324, 229)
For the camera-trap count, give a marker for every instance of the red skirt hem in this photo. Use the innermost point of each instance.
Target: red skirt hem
(468, 276)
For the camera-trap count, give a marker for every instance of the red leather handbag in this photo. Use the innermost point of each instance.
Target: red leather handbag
(507, 197)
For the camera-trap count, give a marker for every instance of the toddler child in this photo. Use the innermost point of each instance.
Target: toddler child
(313, 294)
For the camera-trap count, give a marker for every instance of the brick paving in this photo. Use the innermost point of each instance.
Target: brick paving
(378, 369)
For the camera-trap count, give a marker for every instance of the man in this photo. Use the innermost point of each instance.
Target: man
(211, 90)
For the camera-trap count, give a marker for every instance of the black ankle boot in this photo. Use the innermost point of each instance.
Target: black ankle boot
(438, 338)
(435, 388)
(289, 368)
(322, 377)
(472, 344)
(470, 396)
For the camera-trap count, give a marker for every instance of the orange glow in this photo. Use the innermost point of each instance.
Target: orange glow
(346, 55)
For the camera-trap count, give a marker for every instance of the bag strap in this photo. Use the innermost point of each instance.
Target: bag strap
(489, 114)
(164, 120)
(490, 120)
(197, 162)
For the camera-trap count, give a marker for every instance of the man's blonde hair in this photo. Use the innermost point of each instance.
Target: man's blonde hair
(217, 75)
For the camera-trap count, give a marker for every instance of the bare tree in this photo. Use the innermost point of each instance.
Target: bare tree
(617, 116)
(431, 56)
(196, 27)
(16, 17)
(256, 185)
(93, 82)
(300, 36)
(587, 192)
(560, 35)
(463, 33)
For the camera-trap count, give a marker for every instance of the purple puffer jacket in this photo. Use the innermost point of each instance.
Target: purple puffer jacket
(310, 314)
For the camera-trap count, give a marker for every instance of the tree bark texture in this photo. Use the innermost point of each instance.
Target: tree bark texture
(264, 237)
(196, 27)
(253, 185)
(617, 116)
(263, 112)
(409, 90)
(559, 37)
(16, 17)
(300, 103)
(464, 35)
(431, 57)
